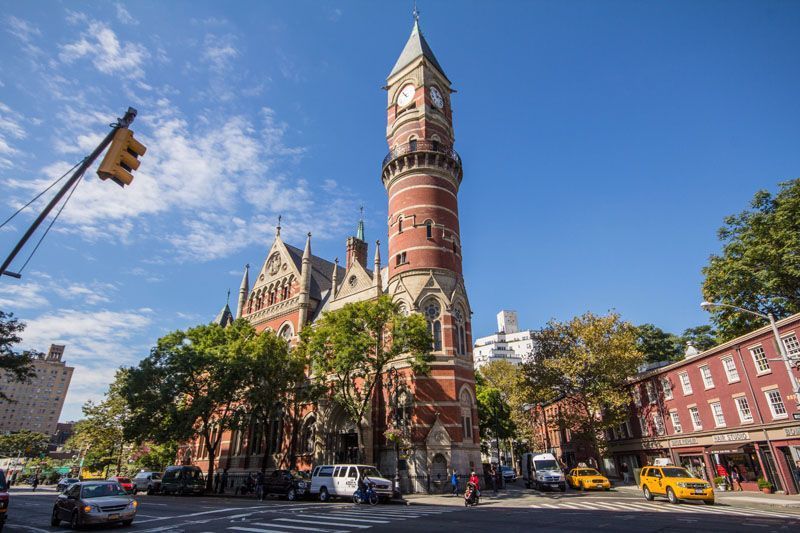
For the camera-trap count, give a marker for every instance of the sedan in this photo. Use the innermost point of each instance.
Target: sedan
(508, 474)
(65, 482)
(94, 502)
(587, 478)
(125, 482)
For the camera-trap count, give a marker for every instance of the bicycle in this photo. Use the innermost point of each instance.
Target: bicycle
(371, 496)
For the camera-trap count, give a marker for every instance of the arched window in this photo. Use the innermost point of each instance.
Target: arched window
(433, 313)
(429, 229)
(286, 332)
(466, 413)
(460, 331)
(285, 291)
(307, 435)
(250, 304)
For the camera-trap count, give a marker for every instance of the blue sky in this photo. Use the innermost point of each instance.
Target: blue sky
(603, 143)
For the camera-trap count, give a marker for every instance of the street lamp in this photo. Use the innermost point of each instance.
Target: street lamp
(781, 350)
(398, 418)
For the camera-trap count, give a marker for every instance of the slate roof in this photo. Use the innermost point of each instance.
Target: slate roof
(321, 270)
(416, 46)
(224, 317)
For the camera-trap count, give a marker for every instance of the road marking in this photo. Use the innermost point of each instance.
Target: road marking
(373, 521)
(345, 514)
(257, 530)
(293, 520)
(197, 514)
(287, 526)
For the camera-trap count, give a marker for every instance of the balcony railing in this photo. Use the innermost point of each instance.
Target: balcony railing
(421, 145)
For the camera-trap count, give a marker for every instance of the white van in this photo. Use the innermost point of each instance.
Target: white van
(541, 471)
(342, 481)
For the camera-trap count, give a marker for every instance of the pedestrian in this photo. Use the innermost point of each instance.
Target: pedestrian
(224, 481)
(454, 482)
(493, 480)
(473, 478)
(35, 482)
(260, 486)
(216, 483)
(625, 474)
(14, 477)
(736, 477)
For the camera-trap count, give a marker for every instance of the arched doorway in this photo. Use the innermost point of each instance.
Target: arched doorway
(341, 437)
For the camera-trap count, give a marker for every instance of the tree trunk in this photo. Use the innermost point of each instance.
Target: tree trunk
(212, 455)
(361, 451)
(265, 436)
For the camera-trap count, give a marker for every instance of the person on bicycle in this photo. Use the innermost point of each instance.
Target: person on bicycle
(362, 485)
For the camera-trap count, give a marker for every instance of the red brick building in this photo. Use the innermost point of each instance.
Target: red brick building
(422, 174)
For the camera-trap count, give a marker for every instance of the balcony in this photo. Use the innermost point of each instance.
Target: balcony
(421, 154)
(421, 146)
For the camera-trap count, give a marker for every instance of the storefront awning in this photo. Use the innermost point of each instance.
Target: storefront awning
(726, 448)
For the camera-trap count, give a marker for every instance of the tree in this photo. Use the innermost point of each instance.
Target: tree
(155, 457)
(657, 345)
(351, 347)
(191, 385)
(702, 337)
(17, 366)
(494, 412)
(99, 437)
(508, 378)
(273, 376)
(585, 363)
(23, 444)
(759, 268)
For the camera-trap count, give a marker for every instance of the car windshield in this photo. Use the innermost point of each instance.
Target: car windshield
(155, 475)
(3, 484)
(676, 472)
(102, 491)
(588, 472)
(369, 471)
(547, 464)
(195, 475)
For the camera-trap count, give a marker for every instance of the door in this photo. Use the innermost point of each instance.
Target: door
(793, 468)
(772, 471)
(351, 481)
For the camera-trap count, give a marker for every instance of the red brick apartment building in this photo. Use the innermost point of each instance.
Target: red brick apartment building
(730, 407)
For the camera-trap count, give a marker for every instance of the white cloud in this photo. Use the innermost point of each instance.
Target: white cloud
(108, 55)
(26, 295)
(37, 289)
(219, 52)
(124, 16)
(21, 29)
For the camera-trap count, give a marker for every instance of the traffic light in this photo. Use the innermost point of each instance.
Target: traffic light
(122, 158)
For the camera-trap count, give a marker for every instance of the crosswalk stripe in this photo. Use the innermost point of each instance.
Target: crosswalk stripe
(256, 530)
(303, 528)
(345, 514)
(686, 508)
(369, 521)
(294, 520)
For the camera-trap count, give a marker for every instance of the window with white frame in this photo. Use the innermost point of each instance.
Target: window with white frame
(708, 381)
(658, 422)
(719, 416)
(760, 359)
(695, 415)
(686, 385)
(651, 392)
(792, 346)
(745, 415)
(730, 369)
(644, 426)
(676, 422)
(666, 387)
(776, 404)
(637, 395)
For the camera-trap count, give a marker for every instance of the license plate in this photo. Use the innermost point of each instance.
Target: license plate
(698, 491)
(599, 486)
(113, 516)
(554, 485)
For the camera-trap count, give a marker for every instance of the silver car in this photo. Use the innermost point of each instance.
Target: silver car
(94, 502)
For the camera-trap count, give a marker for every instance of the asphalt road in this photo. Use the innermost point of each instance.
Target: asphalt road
(512, 511)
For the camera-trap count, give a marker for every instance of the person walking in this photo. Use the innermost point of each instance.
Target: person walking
(260, 486)
(224, 480)
(216, 483)
(473, 478)
(454, 482)
(736, 477)
(35, 482)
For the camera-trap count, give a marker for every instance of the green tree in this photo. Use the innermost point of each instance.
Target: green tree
(702, 337)
(508, 378)
(191, 385)
(585, 363)
(494, 412)
(23, 443)
(17, 366)
(350, 348)
(759, 268)
(155, 457)
(657, 345)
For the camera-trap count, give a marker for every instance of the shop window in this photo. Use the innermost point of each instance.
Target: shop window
(719, 416)
(776, 405)
(760, 360)
(730, 369)
(708, 380)
(745, 415)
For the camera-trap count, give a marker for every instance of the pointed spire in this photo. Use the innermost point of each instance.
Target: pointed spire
(335, 278)
(278, 227)
(305, 284)
(307, 250)
(360, 229)
(416, 46)
(244, 290)
(376, 274)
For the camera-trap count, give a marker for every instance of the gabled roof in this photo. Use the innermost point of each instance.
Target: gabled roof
(224, 317)
(321, 271)
(416, 46)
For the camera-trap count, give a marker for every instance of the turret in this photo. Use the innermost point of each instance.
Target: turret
(376, 274)
(305, 284)
(335, 278)
(244, 289)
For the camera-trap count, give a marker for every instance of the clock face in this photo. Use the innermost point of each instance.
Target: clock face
(436, 98)
(406, 95)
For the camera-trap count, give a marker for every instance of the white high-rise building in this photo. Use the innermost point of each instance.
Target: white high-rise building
(508, 344)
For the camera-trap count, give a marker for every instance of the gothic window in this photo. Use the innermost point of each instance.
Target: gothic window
(460, 332)
(250, 304)
(276, 433)
(466, 413)
(433, 312)
(286, 332)
(307, 436)
(402, 309)
(429, 229)
(285, 292)
(404, 404)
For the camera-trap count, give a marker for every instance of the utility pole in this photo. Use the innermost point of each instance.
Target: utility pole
(121, 123)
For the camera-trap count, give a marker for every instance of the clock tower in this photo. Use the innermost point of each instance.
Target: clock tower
(422, 174)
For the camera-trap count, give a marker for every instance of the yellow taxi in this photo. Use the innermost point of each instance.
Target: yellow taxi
(587, 478)
(675, 483)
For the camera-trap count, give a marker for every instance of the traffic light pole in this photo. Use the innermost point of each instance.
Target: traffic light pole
(124, 122)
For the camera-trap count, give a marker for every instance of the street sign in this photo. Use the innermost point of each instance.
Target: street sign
(796, 416)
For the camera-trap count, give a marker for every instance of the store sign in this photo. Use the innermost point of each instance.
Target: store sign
(683, 442)
(731, 437)
(792, 432)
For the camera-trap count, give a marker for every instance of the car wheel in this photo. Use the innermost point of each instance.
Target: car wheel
(127, 523)
(55, 520)
(671, 496)
(323, 495)
(291, 495)
(708, 502)
(149, 491)
(75, 522)
(647, 494)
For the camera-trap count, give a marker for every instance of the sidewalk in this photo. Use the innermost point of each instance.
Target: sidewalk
(784, 501)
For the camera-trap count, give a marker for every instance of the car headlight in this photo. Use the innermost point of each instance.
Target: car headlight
(682, 484)
(91, 509)
(133, 505)
(301, 485)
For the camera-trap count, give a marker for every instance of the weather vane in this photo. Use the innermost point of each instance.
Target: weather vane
(278, 227)
(415, 12)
